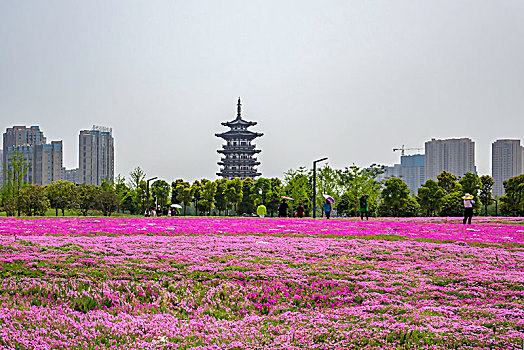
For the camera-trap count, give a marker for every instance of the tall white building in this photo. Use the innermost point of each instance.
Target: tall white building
(96, 156)
(411, 169)
(454, 155)
(507, 160)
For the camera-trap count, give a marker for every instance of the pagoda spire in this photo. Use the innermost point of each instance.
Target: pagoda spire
(239, 109)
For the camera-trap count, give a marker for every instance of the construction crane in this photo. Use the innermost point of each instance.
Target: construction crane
(403, 149)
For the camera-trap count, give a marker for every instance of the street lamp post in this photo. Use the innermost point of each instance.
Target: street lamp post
(315, 185)
(147, 194)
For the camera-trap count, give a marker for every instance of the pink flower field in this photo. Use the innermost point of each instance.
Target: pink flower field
(249, 283)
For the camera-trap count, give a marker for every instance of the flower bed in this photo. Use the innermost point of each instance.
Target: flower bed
(232, 283)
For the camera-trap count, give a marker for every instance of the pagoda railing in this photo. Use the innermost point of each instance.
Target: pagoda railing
(239, 146)
(238, 150)
(243, 160)
(229, 171)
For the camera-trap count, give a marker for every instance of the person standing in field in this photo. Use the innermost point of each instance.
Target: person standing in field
(282, 209)
(261, 210)
(300, 210)
(327, 209)
(468, 208)
(364, 206)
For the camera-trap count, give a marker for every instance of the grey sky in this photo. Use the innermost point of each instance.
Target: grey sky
(345, 79)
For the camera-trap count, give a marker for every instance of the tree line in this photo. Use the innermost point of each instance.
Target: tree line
(387, 197)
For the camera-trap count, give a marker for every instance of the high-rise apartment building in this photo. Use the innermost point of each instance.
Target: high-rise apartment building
(454, 155)
(411, 169)
(1, 167)
(96, 156)
(44, 161)
(71, 175)
(507, 160)
(21, 135)
(20, 139)
(47, 163)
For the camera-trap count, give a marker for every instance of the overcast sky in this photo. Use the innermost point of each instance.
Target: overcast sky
(349, 80)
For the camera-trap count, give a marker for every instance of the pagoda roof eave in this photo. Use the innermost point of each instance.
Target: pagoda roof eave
(239, 122)
(243, 176)
(249, 151)
(239, 133)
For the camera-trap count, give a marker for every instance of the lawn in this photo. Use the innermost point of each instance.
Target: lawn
(249, 283)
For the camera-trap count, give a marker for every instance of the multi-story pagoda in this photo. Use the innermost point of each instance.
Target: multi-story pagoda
(238, 153)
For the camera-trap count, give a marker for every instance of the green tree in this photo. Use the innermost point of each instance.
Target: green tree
(61, 195)
(485, 194)
(33, 200)
(261, 190)
(233, 193)
(328, 182)
(85, 197)
(298, 186)
(246, 206)
(16, 176)
(412, 208)
(161, 190)
(174, 193)
(196, 192)
(208, 196)
(273, 198)
(8, 205)
(355, 181)
(395, 194)
(345, 205)
(106, 199)
(184, 194)
(448, 182)
(137, 178)
(430, 197)
(471, 184)
(220, 196)
(141, 197)
(127, 202)
(452, 204)
(122, 190)
(512, 202)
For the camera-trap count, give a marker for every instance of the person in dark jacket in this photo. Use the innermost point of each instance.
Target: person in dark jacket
(364, 206)
(327, 209)
(300, 210)
(282, 209)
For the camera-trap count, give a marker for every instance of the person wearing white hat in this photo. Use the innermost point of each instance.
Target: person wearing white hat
(468, 208)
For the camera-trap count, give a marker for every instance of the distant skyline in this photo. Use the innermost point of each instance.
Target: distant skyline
(350, 80)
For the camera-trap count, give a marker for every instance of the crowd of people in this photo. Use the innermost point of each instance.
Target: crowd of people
(327, 207)
(363, 208)
(158, 211)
